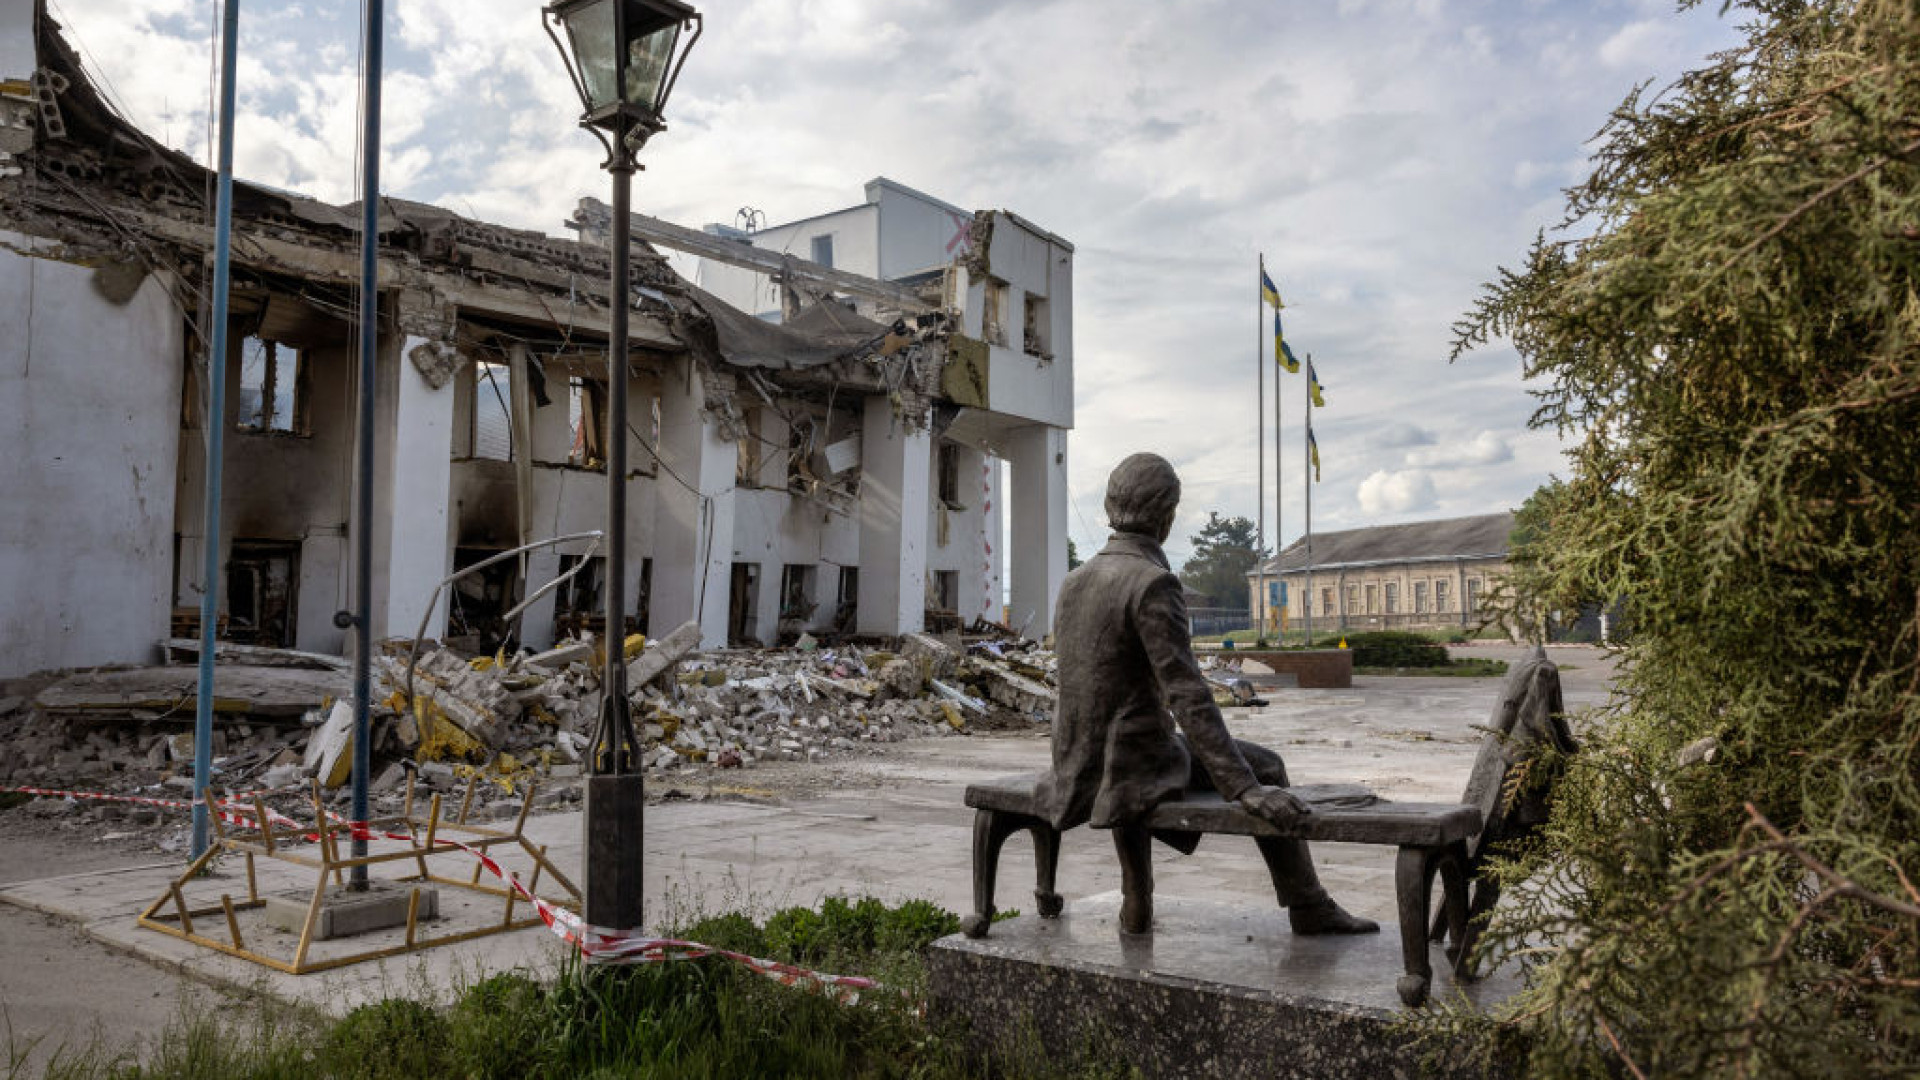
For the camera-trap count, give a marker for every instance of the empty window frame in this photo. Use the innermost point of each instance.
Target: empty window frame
(273, 387)
(796, 591)
(949, 475)
(1036, 328)
(587, 422)
(993, 319)
(823, 249)
(946, 590)
(746, 468)
(492, 419)
(847, 593)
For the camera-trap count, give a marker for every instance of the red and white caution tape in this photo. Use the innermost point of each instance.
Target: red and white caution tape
(599, 945)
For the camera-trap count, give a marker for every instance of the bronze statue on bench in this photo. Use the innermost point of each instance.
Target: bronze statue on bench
(1127, 674)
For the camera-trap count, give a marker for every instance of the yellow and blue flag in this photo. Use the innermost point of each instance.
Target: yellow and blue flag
(1282, 352)
(1313, 451)
(1269, 292)
(1313, 386)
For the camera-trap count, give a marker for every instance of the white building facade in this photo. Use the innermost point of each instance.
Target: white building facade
(840, 476)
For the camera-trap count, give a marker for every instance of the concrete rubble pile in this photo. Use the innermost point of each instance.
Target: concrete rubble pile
(503, 721)
(720, 708)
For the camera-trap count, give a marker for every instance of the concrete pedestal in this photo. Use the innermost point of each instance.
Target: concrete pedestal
(1214, 991)
(346, 912)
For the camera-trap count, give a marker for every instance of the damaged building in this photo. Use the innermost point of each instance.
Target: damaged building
(832, 461)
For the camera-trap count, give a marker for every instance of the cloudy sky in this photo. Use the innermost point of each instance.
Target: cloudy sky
(1385, 156)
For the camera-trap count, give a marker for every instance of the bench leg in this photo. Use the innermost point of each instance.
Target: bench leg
(1412, 886)
(1046, 859)
(990, 831)
(1486, 893)
(1134, 845)
(1453, 904)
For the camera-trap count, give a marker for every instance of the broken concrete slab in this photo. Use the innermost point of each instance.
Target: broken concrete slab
(328, 752)
(663, 653)
(186, 651)
(257, 691)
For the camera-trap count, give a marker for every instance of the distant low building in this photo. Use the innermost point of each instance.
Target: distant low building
(1414, 575)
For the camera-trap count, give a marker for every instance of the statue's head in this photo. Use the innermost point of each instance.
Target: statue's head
(1142, 494)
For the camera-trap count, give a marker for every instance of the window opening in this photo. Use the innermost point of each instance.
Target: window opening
(273, 387)
(492, 419)
(587, 420)
(1036, 327)
(994, 319)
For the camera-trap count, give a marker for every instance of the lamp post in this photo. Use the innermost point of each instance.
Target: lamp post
(624, 57)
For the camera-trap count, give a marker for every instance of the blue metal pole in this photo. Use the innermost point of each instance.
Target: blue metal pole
(216, 421)
(371, 37)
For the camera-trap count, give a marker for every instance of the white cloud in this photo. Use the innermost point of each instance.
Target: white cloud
(1391, 494)
(1399, 434)
(1644, 45)
(1486, 448)
(1385, 165)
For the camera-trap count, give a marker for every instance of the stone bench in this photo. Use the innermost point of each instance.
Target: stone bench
(1431, 837)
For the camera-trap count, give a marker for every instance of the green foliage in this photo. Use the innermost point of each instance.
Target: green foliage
(733, 931)
(1224, 553)
(495, 1031)
(1390, 648)
(702, 1019)
(1729, 337)
(1073, 555)
(391, 1039)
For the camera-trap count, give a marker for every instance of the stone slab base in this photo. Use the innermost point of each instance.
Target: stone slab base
(1214, 991)
(1317, 669)
(345, 912)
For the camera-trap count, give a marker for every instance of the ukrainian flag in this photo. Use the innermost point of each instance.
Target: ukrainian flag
(1282, 352)
(1269, 292)
(1313, 451)
(1313, 386)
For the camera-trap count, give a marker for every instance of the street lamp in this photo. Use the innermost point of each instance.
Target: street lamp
(624, 58)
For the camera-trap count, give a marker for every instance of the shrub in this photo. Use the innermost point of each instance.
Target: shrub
(1391, 648)
(391, 1039)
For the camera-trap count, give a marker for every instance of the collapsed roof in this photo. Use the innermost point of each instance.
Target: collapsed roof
(112, 197)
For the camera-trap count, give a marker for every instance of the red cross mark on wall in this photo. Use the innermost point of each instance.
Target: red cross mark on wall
(962, 233)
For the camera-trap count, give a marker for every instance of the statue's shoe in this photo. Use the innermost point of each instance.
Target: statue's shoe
(1327, 917)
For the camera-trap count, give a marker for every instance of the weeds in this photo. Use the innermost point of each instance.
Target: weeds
(685, 1019)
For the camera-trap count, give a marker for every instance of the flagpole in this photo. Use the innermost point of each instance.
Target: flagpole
(1279, 484)
(1306, 453)
(1260, 450)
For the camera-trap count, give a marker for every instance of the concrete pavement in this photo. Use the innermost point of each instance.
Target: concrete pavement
(892, 825)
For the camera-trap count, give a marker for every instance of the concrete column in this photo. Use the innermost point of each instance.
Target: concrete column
(992, 541)
(1038, 455)
(413, 479)
(893, 522)
(693, 514)
(971, 543)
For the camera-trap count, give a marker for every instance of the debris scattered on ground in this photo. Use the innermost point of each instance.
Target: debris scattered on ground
(449, 719)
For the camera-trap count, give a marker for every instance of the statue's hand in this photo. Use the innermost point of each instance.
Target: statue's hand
(1274, 805)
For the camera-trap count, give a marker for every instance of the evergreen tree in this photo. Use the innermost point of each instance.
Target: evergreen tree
(1224, 553)
(1730, 329)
